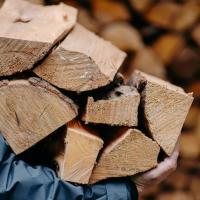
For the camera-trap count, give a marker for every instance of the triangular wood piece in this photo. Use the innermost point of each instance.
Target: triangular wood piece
(130, 153)
(119, 107)
(82, 62)
(165, 108)
(29, 31)
(31, 110)
(81, 151)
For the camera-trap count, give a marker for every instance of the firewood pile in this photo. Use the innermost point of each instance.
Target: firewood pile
(102, 109)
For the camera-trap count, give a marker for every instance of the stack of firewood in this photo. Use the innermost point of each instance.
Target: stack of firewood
(55, 72)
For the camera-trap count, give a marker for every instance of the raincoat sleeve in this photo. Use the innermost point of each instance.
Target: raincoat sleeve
(20, 181)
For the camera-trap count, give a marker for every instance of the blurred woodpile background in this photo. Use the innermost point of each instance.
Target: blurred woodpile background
(161, 37)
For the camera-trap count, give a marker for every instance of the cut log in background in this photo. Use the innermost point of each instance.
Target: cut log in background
(164, 43)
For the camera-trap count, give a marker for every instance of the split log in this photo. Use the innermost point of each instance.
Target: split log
(192, 117)
(139, 154)
(174, 16)
(189, 146)
(141, 6)
(185, 65)
(187, 16)
(82, 62)
(163, 14)
(123, 35)
(81, 151)
(148, 61)
(196, 34)
(119, 107)
(109, 11)
(31, 110)
(165, 108)
(168, 46)
(25, 37)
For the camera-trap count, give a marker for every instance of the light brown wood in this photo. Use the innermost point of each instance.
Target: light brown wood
(81, 151)
(192, 118)
(132, 152)
(187, 16)
(29, 31)
(148, 61)
(118, 107)
(123, 35)
(31, 110)
(174, 16)
(168, 46)
(165, 108)
(189, 146)
(163, 14)
(177, 195)
(141, 5)
(196, 34)
(109, 11)
(82, 62)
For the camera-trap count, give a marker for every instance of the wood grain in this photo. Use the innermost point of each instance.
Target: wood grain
(81, 151)
(86, 64)
(25, 36)
(165, 108)
(130, 153)
(31, 110)
(119, 107)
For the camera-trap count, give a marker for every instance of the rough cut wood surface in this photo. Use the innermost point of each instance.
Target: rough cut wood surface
(81, 151)
(31, 110)
(119, 107)
(28, 32)
(132, 152)
(165, 108)
(82, 62)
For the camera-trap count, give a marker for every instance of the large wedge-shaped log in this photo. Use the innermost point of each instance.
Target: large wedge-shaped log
(82, 62)
(165, 108)
(31, 110)
(119, 107)
(81, 151)
(130, 153)
(29, 31)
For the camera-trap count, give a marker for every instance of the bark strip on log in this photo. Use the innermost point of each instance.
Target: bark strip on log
(165, 108)
(82, 62)
(81, 151)
(31, 110)
(132, 152)
(119, 107)
(28, 31)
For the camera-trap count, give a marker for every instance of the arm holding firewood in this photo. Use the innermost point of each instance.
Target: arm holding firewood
(20, 181)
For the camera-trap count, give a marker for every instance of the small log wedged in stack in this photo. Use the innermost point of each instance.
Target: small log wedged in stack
(29, 31)
(165, 108)
(82, 62)
(130, 153)
(31, 110)
(119, 107)
(81, 151)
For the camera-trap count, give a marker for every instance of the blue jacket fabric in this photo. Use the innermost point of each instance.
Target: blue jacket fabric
(20, 181)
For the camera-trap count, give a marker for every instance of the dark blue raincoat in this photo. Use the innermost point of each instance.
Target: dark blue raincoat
(20, 181)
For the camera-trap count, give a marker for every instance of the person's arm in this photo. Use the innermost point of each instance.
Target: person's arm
(20, 181)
